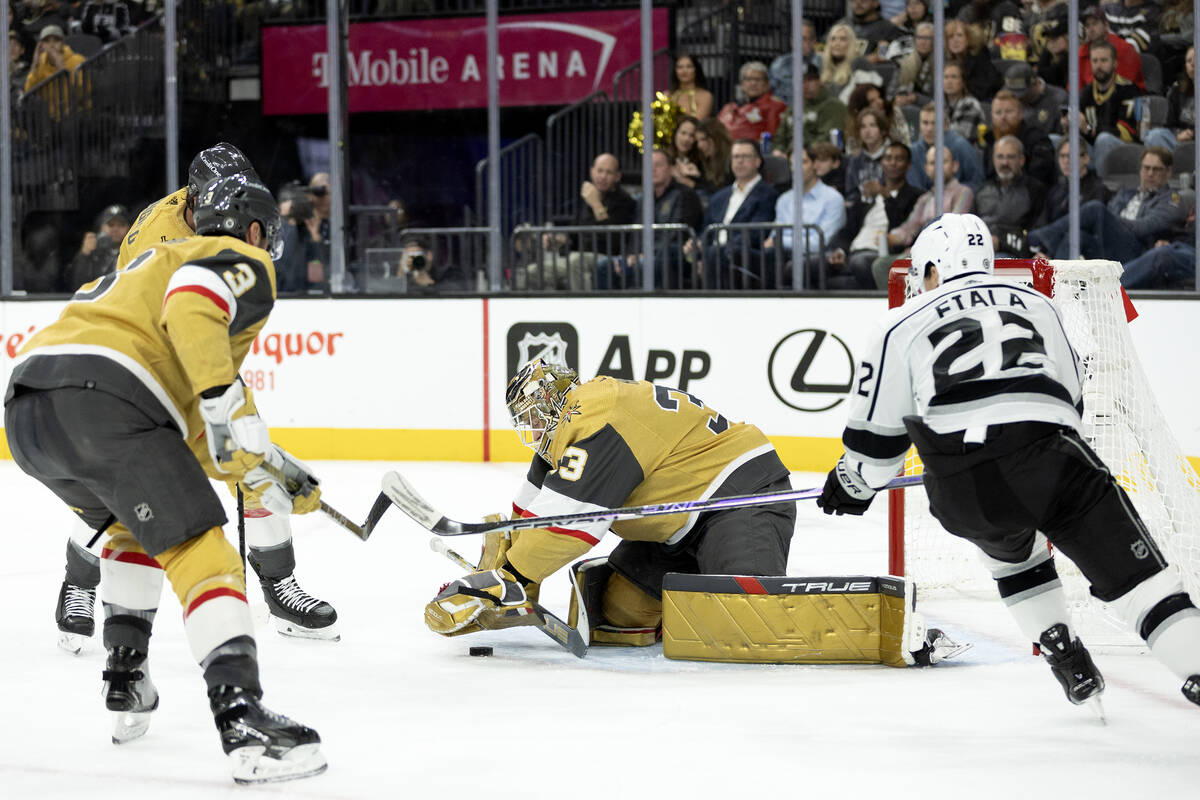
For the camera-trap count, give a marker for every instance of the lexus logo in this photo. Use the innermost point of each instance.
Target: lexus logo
(811, 370)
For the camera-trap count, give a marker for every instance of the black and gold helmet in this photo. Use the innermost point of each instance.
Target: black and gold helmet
(228, 206)
(536, 397)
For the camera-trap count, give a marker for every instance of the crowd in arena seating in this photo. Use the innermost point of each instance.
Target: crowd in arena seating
(869, 128)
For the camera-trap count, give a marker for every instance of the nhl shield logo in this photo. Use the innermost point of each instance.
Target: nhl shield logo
(143, 512)
(556, 342)
(1140, 549)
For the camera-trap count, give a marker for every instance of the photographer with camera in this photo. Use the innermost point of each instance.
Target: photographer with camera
(305, 237)
(97, 255)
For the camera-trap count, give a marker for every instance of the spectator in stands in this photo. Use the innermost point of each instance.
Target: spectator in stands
(107, 21)
(760, 112)
(674, 204)
(1007, 120)
(748, 199)
(18, 65)
(1108, 106)
(49, 57)
(1181, 109)
(1176, 31)
(1171, 264)
(689, 87)
(964, 111)
(827, 162)
(603, 202)
(98, 253)
(41, 13)
(714, 144)
(866, 165)
(915, 12)
(316, 233)
(1129, 62)
(821, 206)
(999, 26)
(823, 114)
(1010, 201)
(1128, 226)
(869, 96)
(956, 199)
(1041, 16)
(1052, 65)
(914, 81)
(965, 46)
(878, 208)
(872, 29)
(1040, 102)
(969, 170)
(1058, 199)
(1135, 21)
(40, 271)
(781, 66)
(302, 243)
(837, 63)
(686, 159)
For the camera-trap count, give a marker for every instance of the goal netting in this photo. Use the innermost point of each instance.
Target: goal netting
(1122, 423)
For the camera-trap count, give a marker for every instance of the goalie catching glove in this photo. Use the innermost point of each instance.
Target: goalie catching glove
(845, 491)
(237, 436)
(489, 600)
(288, 488)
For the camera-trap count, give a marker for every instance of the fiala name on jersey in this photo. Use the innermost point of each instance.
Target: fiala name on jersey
(962, 300)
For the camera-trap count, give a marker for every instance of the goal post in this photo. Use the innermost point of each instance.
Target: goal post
(1121, 421)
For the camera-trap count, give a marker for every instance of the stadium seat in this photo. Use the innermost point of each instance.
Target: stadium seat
(1122, 165)
(912, 115)
(1157, 108)
(1185, 164)
(777, 172)
(1152, 73)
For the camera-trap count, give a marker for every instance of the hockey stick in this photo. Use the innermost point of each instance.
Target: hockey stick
(547, 623)
(361, 531)
(401, 492)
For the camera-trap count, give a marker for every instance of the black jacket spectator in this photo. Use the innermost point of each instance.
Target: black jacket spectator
(1058, 200)
(897, 207)
(1039, 154)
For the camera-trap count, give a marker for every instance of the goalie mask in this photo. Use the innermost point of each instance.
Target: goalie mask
(956, 244)
(536, 398)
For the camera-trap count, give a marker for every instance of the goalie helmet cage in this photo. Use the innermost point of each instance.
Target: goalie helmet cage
(1122, 423)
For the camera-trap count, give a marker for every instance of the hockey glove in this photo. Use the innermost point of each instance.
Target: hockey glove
(491, 600)
(845, 492)
(237, 436)
(296, 493)
(496, 545)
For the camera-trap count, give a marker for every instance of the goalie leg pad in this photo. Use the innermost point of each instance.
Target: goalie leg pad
(777, 620)
(615, 610)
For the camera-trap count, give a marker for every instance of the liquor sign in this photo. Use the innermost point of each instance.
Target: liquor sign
(545, 59)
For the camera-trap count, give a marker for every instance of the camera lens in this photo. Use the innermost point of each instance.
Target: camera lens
(418, 261)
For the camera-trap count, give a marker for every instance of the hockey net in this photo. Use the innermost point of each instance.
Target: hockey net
(1122, 423)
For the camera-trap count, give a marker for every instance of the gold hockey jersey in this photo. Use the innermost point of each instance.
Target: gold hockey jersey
(623, 443)
(177, 320)
(162, 221)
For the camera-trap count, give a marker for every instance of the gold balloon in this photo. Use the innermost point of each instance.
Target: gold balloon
(666, 116)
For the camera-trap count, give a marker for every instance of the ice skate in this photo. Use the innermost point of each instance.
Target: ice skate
(1191, 689)
(938, 648)
(75, 615)
(297, 613)
(1073, 668)
(129, 693)
(264, 747)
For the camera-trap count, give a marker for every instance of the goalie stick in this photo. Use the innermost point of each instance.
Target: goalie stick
(401, 492)
(547, 623)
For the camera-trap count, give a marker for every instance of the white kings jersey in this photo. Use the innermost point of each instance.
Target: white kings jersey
(977, 351)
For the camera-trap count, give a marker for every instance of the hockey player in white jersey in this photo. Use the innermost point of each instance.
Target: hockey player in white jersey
(977, 372)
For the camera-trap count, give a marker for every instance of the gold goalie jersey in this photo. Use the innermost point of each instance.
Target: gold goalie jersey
(622, 443)
(162, 221)
(177, 320)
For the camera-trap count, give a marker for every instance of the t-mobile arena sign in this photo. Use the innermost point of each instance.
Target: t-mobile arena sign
(548, 59)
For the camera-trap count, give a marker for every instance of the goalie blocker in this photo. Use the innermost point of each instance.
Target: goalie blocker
(769, 620)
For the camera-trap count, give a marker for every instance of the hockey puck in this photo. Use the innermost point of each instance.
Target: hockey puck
(480, 651)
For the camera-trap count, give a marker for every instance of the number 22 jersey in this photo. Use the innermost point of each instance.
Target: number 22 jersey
(976, 351)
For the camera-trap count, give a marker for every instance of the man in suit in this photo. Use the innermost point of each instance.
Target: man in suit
(748, 199)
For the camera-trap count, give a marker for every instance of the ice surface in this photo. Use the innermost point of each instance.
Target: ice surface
(405, 713)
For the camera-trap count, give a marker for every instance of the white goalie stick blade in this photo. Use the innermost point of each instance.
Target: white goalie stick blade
(567, 637)
(404, 496)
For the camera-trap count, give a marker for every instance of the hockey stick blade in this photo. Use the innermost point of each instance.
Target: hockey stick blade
(401, 492)
(328, 510)
(562, 633)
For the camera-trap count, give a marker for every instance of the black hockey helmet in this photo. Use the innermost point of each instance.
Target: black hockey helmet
(226, 206)
(219, 161)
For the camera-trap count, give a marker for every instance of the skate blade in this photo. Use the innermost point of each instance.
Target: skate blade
(251, 765)
(1096, 707)
(129, 725)
(329, 633)
(73, 643)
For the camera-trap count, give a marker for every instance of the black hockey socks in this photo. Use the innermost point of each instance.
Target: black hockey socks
(234, 663)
